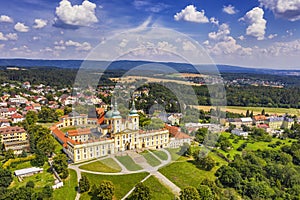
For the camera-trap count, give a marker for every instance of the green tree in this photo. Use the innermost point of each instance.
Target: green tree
(205, 192)
(47, 191)
(9, 154)
(84, 184)
(106, 190)
(247, 113)
(200, 135)
(263, 112)
(185, 150)
(141, 192)
(30, 184)
(5, 178)
(60, 164)
(46, 145)
(31, 117)
(47, 115)
(40, 159)
(204, 162)
(229, 176)
(189, 193)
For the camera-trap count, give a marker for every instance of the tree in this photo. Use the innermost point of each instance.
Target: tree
(185, 150)
(46, 145)
(47, 191)
(251, 114)
(30, 184)
(205, 192)
(141, 192)
(5, 178)
(31, 117)
(229, 176)
(106, 190)
(47, 115)
(9, 154)
(204, 162)
(23, 154)
(263, 112)
(247, 113)
(39, 160)
(60, 165)
(200, 134)
(84, 184)
(189, 193)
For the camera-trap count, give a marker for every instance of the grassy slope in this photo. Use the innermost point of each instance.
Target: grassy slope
(128, 163)
(150, 159)
(123, 183)
(158, 190)
(68, 191)
(106, 165)
(162, 155)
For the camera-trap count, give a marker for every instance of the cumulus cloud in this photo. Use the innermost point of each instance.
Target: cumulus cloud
(291, 48)
(12, 36)
(191, 14)
(9, 36)
(2, 37)
(40, 23)
(75, 16)
(221, 43)
(214, 21)
(287, 9)
(5, 18)
(229, 9)
(21, 27)
(271, 36)
(85, 46)
(257, 23)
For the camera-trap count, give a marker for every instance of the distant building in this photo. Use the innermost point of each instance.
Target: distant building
(247, 121)
(28, 171)
(14, 138)
(239, 132)
(259, 119)
(177, 138)
(74, 119)
(17, 118)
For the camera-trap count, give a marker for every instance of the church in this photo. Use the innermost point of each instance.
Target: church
(115, 134)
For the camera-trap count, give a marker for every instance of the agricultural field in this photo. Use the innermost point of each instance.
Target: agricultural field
(256, 110)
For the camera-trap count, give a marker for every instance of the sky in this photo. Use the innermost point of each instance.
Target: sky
(252, 33)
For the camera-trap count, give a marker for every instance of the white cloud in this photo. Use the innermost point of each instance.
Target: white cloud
(222, 32)
(271, 36)
(40, 23)
(257, 23)
(77, 15)
(85, 46)
(241, 37)
(2, 46)
(291, 48)
(5, 18)
(229, 10)
(59, 47)
(2, 37)
(188, 46)
(123, 43)
(287, 9)
(21, 27)
(191, 14)
(36, 38)
(12, 36)
(214, 21)
(9, 36)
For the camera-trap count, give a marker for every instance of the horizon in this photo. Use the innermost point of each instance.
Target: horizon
(253, 34)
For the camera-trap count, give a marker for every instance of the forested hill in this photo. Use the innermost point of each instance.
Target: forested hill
(127, 65)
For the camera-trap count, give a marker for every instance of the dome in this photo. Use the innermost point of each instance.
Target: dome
(108, 114)
(115, 112)
(133, 111)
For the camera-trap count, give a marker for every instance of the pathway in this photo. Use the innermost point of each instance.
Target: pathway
(138, 159)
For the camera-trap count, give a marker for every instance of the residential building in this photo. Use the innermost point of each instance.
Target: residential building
(14, 138)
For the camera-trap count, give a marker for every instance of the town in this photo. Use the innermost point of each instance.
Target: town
(39, 125)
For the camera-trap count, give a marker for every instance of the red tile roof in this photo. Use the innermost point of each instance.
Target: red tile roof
(11, 129)
(79, 132)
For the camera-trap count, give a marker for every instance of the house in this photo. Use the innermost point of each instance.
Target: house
(17, 118)
(28, 171)
(264, 126)
(235, 121)
(275, 122)
(36, 106)
(239, 132)
(259, 119)
(26, 85)
(247, 121)
(15, 138)
(4, 122)
(7, 112)
(177, 138)
(287, 122)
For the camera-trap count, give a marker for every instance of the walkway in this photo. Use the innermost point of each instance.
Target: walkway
(138, 159)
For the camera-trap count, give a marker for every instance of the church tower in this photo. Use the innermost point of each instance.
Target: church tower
(133, 118)
(116, 119)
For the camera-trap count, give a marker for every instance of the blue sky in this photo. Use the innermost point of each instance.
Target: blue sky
(254, 33)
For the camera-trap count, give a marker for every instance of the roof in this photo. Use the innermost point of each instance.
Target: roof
(259, 117)
(76, 132)
(246, 119)
(61, 137)
(28, 171)
(17, 116)
(262, 126)
(175, 132)
(11, 129)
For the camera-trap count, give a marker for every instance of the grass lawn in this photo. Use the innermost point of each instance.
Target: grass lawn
(123, 183)
(186, 174)
(175, 156)
(162, 155)
(151, 160)
(58, 147)
(128, 163)
(158, 190)
(68, 191)
(65, 129)
(106, 165)
(40, 180)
